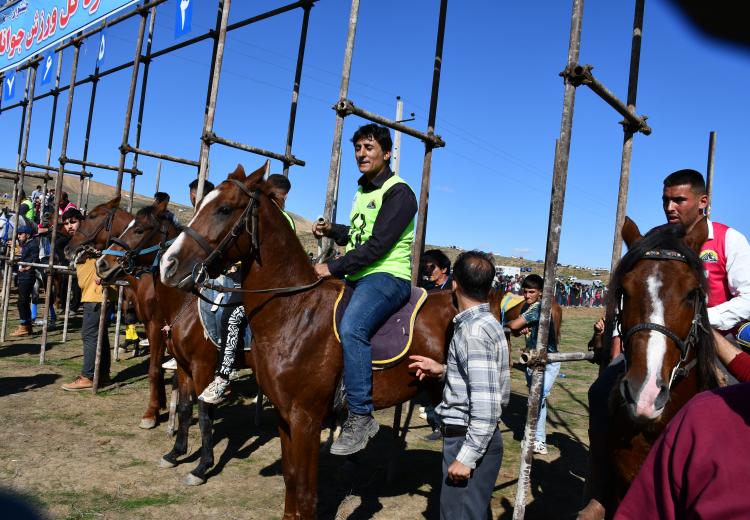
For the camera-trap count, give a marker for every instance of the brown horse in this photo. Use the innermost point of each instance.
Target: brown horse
(196, 356)
(103, 223)
(298, 359)
(658, 298)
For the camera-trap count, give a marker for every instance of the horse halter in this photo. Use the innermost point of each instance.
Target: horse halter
(247, 221)
(128, 255)
(684, 345)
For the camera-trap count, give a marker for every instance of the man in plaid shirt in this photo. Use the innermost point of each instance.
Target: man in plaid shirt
(477, 386)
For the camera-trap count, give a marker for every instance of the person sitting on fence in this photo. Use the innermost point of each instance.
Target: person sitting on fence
(528, 324)
(25, 280)
(477, 386)
(234, 322)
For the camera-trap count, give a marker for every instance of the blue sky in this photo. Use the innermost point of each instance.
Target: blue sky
(499, 112)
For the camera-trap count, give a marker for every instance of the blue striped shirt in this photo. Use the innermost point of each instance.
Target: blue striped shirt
(477, 380)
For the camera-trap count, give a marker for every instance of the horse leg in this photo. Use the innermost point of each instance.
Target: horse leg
(299, 442)
(206, 424)
(157, 396)
(184, 414)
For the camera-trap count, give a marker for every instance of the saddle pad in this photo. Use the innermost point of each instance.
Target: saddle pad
(392, 340)
(211, 315)
(509, 301)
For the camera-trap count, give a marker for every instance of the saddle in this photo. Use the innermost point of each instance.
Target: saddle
(211, 314)
(392, 340)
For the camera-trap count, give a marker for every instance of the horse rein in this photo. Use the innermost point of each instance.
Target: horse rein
(684, 345)
(129, 254)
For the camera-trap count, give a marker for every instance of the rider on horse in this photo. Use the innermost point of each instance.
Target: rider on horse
(377, 265)
(726, 257)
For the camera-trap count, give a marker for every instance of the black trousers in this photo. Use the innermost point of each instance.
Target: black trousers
(25, 290)
(90, 334)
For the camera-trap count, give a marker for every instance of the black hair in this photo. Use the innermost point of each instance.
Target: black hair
(474, 272)
(207, 186)
(377, 132)
(279, 182)
(690, 177)
(64, 196)
(161, 196)
(72, 213)
(533, 281)
(440, 259)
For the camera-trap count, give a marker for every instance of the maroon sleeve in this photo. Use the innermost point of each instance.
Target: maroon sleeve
(740, 367)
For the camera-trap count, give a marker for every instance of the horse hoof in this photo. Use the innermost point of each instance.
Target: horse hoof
(164, 463)
(147, 423)
(192, 480)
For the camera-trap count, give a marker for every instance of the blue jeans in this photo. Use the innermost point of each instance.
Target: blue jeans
(550, 374)
(375, 298)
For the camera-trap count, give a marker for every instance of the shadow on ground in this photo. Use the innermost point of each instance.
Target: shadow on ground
(17, 385)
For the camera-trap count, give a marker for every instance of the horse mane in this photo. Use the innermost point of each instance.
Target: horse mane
(670, 237)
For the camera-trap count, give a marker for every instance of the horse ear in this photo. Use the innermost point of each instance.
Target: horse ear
(238, 173)
(630, 232)
(114, 203)
(161, 207)
(697, 235)
(257, 175)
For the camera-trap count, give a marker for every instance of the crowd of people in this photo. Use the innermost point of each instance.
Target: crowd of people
(571, 293)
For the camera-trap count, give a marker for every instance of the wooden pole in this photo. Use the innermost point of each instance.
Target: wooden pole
(710, 171)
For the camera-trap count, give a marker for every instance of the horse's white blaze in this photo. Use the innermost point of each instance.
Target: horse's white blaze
(206, 200)
(655, 350)
(130, 225)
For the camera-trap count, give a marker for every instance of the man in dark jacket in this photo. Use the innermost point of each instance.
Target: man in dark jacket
(25, 280)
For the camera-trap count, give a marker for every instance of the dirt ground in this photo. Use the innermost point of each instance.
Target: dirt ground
(81, 456)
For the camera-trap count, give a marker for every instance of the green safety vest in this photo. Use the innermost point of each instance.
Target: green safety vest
(290, 219)
(365, 210)
(30, 213)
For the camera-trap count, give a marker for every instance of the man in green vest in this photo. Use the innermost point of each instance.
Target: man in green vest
(26, 208)
(377, 264)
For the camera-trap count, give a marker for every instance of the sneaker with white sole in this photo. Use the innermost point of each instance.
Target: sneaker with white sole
(144, 343)
(214, 392)
(540, 448)
(170, 365)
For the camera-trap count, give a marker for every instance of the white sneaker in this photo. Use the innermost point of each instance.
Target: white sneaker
(540, 448)
(214, 392)
(170, 365)
(234, 375)
(144, 343)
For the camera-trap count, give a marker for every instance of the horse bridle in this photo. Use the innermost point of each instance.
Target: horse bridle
(247, 221)
(683, 367)
(128, 255)
(105, 224)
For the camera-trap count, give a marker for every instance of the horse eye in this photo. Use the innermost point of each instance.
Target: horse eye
(138, 231)
(224, 210)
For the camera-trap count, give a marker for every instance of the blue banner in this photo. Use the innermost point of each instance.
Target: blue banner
(28, 27)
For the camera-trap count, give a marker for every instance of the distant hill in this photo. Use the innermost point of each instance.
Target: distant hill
(100, 193)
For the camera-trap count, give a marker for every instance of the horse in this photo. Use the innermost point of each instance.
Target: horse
(136, 249)
(298, 358)
(105, 221)
(658, 299)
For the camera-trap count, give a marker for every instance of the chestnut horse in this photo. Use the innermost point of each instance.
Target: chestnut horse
(659, 301)
(196, 356)
(103, 223)
(298, 359)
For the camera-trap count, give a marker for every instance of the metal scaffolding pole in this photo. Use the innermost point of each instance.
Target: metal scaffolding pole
(295, 89)
(58, 189)
(120, 171)
(431, 141)
(559, 177)
(710, 171)
(329, 212)
(213, 94)
(629, 130)
(23, 150)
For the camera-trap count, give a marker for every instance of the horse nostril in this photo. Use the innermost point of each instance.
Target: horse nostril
(625, 392)
(168, 265)
(661, 399)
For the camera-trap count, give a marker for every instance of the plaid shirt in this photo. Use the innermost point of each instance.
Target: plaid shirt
(477, 380)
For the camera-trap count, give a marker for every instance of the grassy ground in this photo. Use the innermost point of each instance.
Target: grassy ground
(82, 456)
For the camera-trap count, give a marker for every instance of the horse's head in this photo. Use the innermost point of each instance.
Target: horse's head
(101, 223)
(138, 246)
(216, 237)
(659, 298)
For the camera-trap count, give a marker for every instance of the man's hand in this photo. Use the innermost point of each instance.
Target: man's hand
(321, 228)
(458, 472)
(599, 326)
(426, 367)
(322, 270)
